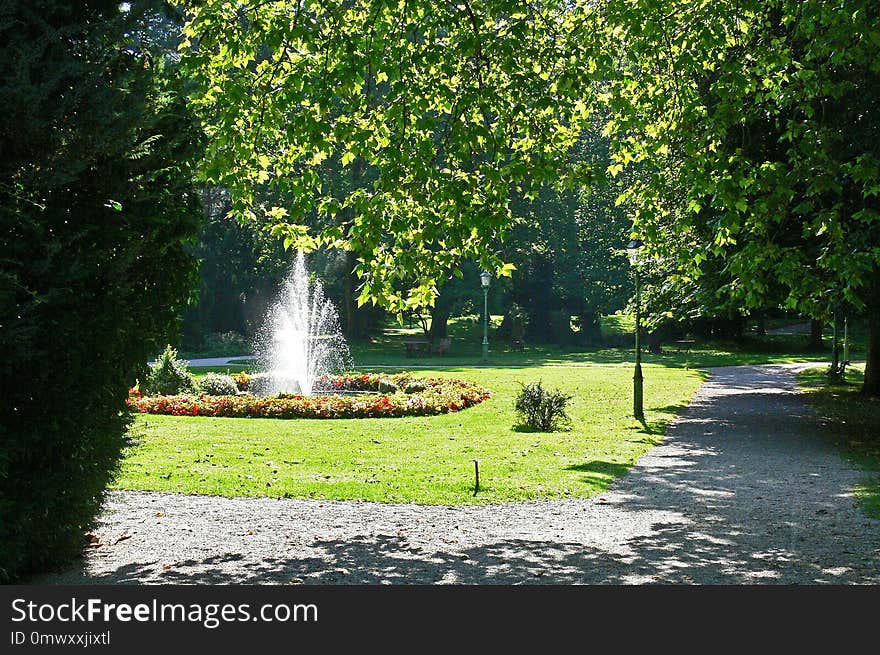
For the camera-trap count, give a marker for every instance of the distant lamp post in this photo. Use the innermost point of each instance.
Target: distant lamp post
(485, 280)
(632, 250)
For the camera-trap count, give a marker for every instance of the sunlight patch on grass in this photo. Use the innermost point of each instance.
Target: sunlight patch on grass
(427, 460)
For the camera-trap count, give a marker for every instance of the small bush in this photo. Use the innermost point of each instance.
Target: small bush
(387, 386)
(168, 376)
(242, 380)
(215, 384)
(416, 386)
(542, 410)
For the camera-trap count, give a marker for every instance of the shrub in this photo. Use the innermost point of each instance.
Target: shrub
(97, 210)
(215, 384)
(242, 380)
(169, 375)
(387, 386)
(542, 410)
(260, 383)
(416, 386)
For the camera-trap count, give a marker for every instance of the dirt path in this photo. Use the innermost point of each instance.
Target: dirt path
(743, 490)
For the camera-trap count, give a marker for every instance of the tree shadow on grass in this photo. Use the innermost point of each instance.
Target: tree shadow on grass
(600, 472)
(528, 429)
(598, 466)
(671, 410)
(652, 429)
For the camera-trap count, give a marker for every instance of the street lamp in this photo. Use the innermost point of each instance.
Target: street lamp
(632, 249)
(485, 280)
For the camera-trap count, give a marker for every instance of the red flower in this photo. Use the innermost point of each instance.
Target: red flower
(442, 395)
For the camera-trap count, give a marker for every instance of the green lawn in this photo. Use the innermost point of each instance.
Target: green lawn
(421, 459)
(389, 349)
(430, 459)
(851, 420)
(770, 350)
(466, 334)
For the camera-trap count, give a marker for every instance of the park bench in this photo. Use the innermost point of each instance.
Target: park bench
(684, 344)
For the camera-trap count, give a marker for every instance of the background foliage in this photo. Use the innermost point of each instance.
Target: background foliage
(438, 110)
(757, 126)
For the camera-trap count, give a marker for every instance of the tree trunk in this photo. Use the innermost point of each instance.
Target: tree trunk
(652, 343)
(350, 329)
(871, 387)
(439, 322)
(348, 300)
(559, 322)
(815, 342)
(503, 331)
(591, 329)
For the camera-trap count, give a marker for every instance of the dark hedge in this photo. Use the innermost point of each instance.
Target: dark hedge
(96, 212)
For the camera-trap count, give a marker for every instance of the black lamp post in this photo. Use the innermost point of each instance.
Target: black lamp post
(485, 280)
(632, 250)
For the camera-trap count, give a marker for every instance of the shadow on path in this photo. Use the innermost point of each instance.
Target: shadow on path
(743, 490)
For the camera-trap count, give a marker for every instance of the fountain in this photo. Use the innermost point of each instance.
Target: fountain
(298, 344)
(300, 339)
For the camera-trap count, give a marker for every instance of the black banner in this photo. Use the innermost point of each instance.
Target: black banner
(117, 619)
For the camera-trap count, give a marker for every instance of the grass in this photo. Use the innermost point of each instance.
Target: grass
(466, 334)
(430, 459)
(426, 460)
(767, 350)
(389, 349)
(851, 420)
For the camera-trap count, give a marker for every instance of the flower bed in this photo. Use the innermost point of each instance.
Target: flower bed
(441, 395)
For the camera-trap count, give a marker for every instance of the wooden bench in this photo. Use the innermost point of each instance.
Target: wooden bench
(684, 344)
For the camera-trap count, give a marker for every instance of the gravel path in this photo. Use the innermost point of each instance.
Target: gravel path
(743, 490)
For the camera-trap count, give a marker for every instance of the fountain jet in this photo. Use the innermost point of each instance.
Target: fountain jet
(300, 339)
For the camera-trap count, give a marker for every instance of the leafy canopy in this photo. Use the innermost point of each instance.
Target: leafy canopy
(758, 125)
(445, 109)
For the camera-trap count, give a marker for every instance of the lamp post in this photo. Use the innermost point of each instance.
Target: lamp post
(632, 250)
(485, 280)
(835, 349)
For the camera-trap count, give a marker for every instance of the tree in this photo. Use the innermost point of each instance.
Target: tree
(758, 124)
(96, 206)
(242, 265)
(567, 247)
(450, 108)
(461, 292)
(754, 125)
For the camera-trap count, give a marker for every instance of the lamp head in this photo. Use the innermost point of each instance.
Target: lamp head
(485, 279)
(632, 249)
